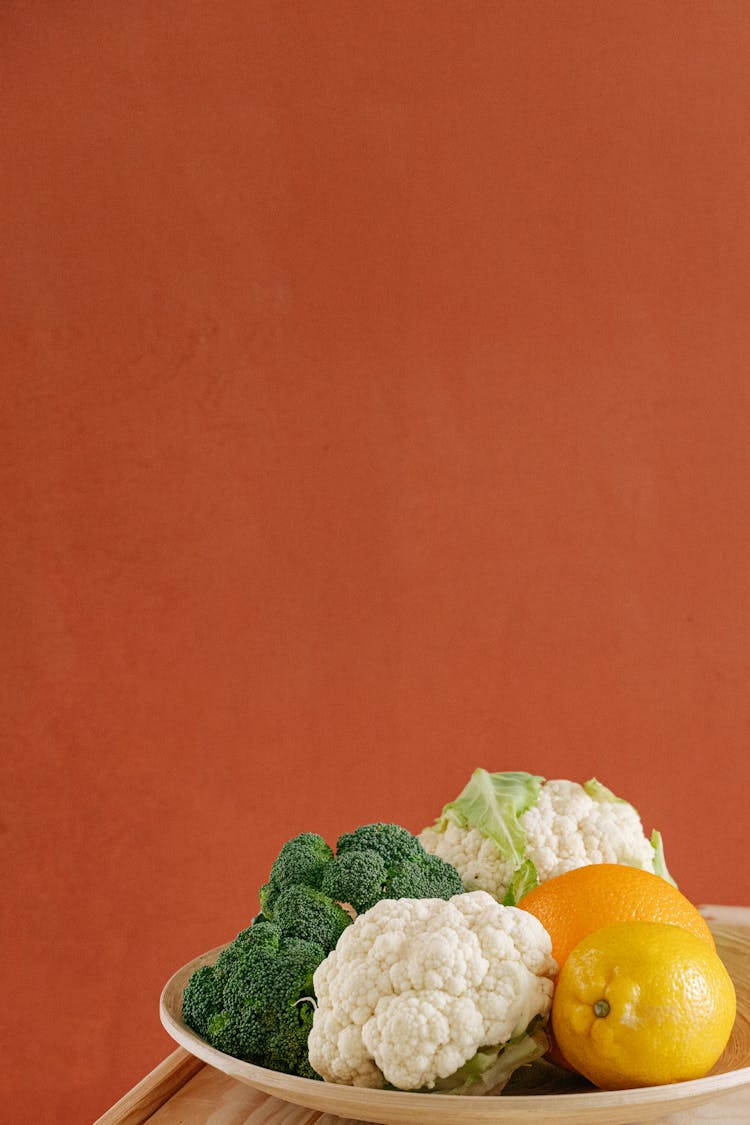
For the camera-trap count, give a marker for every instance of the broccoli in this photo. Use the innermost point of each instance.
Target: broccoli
(303, 912)
(301, 861)
(421, 877)
(201, 1000)
(392, 842)
(356, 877)
(257, 1002)
(385, 861)
(374, 861)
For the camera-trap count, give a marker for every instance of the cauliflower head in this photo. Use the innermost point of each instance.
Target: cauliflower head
(415, 988)
(506, 832)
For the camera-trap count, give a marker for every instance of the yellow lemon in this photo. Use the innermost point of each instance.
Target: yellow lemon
(642, 1003)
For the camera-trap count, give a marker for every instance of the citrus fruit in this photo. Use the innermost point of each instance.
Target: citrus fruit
(572, 905)
(642, 1003)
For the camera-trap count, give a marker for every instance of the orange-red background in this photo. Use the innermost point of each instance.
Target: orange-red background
(375, 392)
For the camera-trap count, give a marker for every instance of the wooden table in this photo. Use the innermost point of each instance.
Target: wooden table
(182, 1090)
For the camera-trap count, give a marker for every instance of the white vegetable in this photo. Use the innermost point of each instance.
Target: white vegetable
(506, 832)
(415, 987)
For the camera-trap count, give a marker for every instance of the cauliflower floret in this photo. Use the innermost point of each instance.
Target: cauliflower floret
(506, 832)
(567, 829)
(415, 988)
(476, 857)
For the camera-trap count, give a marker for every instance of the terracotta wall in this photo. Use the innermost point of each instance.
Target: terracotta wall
(375, 391)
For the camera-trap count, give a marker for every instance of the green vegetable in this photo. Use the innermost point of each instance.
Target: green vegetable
(201, 1000)
(422, 876)
(375, 861)
(392, 842)
(256, 1002)
(379, 861)
(356, 877)
(301, 862)
(303, 912)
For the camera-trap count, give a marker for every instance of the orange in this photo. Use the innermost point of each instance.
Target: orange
(642, 1003)
(572, 905)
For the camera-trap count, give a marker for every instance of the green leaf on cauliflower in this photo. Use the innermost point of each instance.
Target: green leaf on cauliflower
(523, 881)
(491, 1068)
(660, 864)
(507, 832)
(493, 803)
(599, 792)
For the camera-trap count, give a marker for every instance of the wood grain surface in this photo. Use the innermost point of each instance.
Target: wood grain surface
(153, 1091)
(212, 1098)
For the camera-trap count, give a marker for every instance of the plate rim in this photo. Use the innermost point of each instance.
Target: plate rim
(706, 1088)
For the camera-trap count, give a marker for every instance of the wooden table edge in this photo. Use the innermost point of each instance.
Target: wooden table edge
(153, 1091)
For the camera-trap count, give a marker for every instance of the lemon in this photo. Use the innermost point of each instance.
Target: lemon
(642, 1003)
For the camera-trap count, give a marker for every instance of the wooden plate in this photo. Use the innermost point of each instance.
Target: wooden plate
(539, 1094)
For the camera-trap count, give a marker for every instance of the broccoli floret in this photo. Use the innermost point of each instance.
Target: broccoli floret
(423, 876)
(267, 895)
(385, 861)
(301, 862)
(257, 1002)
(372, 862)
(306, 1071)
(356, 877)
(289, 1045)
(262, 934)
(201, 1000)
(292, 897)
(303, 912)
(392, 842)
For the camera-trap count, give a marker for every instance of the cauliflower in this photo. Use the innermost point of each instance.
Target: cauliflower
(506, 832)
(428, 994)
